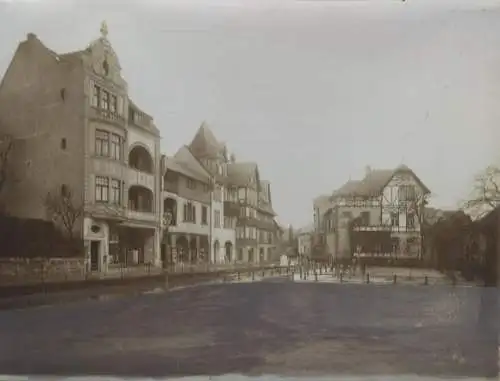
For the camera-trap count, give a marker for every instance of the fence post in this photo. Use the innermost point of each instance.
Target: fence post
(426, 280)
(315, 276)
(394, 279)
(42, 272)
(253, 275)
(341, 277)
(293, 276)
(367, 278)
(263, 273)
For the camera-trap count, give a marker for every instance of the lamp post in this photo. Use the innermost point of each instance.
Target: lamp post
(166, 222)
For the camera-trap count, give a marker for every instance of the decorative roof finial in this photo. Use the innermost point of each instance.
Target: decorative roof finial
(104, 29)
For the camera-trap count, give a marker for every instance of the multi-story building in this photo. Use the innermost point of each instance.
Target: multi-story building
(241, 199)
(304, 241)
(77, 130)
(266, 228)
(186, 200)
(212, 155)
(379, 216)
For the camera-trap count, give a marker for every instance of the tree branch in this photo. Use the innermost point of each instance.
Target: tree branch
(63, 208)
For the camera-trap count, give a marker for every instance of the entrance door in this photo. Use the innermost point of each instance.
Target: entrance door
(94, 255)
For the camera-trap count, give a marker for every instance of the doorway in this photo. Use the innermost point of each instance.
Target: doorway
(94, 255)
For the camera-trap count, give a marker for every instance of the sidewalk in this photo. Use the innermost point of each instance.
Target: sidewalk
(150, 285)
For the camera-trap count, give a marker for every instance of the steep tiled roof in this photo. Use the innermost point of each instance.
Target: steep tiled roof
(373, 183)
(175, 165)
(184, 163)
(240, 173)
(204, 143)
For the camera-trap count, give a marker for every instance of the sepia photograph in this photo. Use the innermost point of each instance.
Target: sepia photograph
(240, 190)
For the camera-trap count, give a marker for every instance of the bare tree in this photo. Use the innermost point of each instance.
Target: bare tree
(485, 194)
(64, 209)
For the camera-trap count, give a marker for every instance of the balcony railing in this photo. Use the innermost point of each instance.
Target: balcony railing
(144, 179)
(141, 215)
(386, 228)
(107, 115)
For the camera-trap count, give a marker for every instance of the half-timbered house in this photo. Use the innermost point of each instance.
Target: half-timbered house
(378, 216)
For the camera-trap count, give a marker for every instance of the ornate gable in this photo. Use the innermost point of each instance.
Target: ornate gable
(103, 59)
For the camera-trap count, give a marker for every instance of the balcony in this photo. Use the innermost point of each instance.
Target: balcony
(141, 216)
(139, 178)
(189, 228)
(106, 116)
(140, 204)
(243, 242)
(231, 209)
(265, 241)
(171, 187)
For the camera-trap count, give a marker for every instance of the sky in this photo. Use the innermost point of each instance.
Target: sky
(312, 90)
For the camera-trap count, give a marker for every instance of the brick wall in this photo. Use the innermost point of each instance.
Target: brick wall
(26, 270)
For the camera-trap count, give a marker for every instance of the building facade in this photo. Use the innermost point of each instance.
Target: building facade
(305, 241)
(77, 129)
(242, 204)
(186, 201)
(212, 155)
(379, 216)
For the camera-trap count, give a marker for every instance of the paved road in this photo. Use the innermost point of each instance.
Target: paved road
(266, 327)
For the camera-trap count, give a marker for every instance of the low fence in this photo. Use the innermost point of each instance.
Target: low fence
(140, 281)
(374, 275)
(22, 271)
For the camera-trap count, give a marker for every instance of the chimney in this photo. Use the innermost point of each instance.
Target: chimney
(31, 36)
(368, 170)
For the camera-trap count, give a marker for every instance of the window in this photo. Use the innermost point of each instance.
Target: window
(105, 67)
(228, 223)
(191, 184)
(406, 193)
(395, 244)
(116, 146)
(189, 212)
(63, 143)
(218, 193)
(104, 100)
(204, 215)
(116, 191)
(365, 218)
(101, 188)
(217, 221)
(410, 220)
(101, 143)
(240, 254)
(96, 94)
(394, 219)
(113, 103)
(242, 212)
(206, 188)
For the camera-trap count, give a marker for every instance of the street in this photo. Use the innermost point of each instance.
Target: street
(253, 328)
